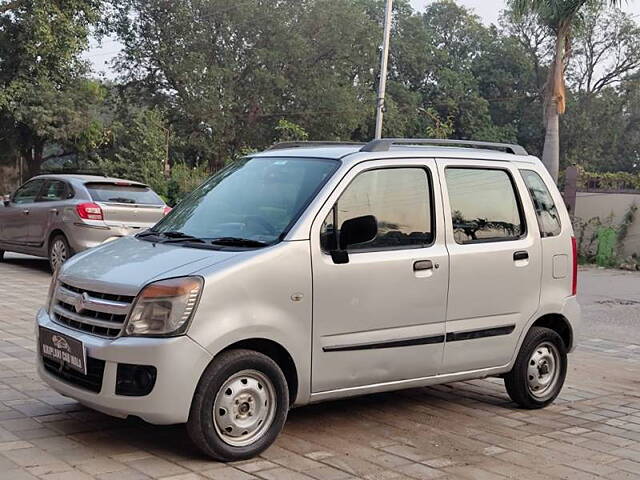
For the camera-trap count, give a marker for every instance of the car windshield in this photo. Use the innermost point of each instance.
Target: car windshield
(252, 200)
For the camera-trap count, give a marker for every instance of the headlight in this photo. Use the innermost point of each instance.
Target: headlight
(52, 290)
(165, 308)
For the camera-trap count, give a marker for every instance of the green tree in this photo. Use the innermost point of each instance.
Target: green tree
(559, 16)
(43, 94)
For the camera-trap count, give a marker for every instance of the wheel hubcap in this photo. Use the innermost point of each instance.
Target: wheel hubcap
(543, 370)
(244, 408)
(58, 254)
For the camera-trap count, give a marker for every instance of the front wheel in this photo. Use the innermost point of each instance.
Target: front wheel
(539, 371)
(239, 407)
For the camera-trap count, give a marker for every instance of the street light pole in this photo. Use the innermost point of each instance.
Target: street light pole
(382, 89)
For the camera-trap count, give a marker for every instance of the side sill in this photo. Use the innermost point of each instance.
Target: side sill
(404, 384)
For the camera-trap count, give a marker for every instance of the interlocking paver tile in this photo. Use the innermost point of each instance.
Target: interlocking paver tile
(467, 430)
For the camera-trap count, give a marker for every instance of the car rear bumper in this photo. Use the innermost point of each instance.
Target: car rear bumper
(83, 236)
(179, 362)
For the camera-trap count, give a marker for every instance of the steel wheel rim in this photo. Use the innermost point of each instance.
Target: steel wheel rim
(244, 408)
(543, 371)
(58, 253)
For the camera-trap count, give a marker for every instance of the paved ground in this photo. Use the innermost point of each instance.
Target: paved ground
(466, 430)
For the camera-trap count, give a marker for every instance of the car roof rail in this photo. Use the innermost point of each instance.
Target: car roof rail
(310, 144)
(385, 144)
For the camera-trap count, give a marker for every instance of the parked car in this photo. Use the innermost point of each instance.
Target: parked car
(57, 216)
(315, 272)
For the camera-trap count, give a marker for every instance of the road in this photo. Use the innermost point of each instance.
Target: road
(466, 430)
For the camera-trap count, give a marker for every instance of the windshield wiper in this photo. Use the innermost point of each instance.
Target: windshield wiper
(238, 242)
(171, 237)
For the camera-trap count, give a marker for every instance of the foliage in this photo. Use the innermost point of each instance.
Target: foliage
(608, 180)
(290, 132)
(44, 96)
(184, 179)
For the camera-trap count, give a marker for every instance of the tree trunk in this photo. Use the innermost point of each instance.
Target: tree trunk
(555, 104)
(33, 157)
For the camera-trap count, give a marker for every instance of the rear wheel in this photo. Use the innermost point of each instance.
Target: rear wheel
(59, 252)
(1, 255)
(539, 371)
(239, 407)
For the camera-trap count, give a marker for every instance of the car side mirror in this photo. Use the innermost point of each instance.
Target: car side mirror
(354, 232)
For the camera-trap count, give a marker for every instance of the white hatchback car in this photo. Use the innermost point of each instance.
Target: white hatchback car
(313, 272)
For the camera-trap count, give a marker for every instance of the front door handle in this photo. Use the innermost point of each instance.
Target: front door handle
(422, 265)
(25, 211)
(523, 255)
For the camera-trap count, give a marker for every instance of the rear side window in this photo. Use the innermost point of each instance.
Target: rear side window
(399, 198)
(546, 211)
(132, 194)
(484, 205)
(54, 190)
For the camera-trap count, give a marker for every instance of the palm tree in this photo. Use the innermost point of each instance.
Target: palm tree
(559, 16)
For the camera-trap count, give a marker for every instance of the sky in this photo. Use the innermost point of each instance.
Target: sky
(489, 10)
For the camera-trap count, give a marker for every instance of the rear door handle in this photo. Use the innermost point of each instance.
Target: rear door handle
(25, 211)
(422, 265)
(520, 256)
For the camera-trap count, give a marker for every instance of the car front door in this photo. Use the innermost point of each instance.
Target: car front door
(15, 218)
(495, 262)
(380, 316)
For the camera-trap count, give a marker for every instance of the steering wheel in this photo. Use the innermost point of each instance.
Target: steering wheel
(267, 228)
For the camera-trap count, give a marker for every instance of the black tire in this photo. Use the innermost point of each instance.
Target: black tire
(53, 263)
(201, 425)
(538, 342)
(1, 255)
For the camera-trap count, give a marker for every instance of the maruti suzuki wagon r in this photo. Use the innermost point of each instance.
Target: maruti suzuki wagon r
(311, 272)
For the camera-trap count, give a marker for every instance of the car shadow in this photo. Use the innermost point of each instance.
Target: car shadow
(27, 262)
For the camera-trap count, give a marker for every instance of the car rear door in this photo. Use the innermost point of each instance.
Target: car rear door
(380, 317)
(129, 205)
(495, 262)
(47, 207)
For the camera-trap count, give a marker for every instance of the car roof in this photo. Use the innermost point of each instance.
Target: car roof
(89, 178)
(354, 153)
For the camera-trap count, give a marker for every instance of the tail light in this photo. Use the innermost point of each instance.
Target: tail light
(89, 211)
(574, 281)
(166, 210)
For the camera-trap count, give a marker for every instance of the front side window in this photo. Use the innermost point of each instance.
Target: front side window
(399, 199)
(28, 192)
(546, 211)
(484, 206)
(255, 199)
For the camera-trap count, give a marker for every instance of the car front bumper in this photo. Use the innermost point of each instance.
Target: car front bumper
(179, 361)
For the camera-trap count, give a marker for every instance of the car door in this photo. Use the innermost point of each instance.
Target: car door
(380, 317)
(47, 208)
(495, 262)
(15, 219)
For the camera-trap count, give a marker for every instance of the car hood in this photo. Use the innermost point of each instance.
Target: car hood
(124, 266)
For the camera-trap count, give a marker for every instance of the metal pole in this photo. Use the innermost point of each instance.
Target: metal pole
(382, 89)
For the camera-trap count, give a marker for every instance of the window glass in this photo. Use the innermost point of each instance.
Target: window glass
(133, 194)
(54, 190)
(483, 205)
(546, 211)
(28, 192)
(399, 198)
(254, 198)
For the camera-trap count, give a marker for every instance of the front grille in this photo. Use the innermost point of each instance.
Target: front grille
(97, 313)
(92, 381)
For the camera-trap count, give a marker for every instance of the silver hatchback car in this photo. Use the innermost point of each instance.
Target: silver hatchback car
(314, 272)
(56, 216)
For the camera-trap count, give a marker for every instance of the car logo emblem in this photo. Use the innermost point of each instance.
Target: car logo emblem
(81, 302)
(60, 343)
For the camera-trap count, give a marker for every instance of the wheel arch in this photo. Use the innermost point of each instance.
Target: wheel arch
(55, 232)
(277, 353)
(559, 324)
